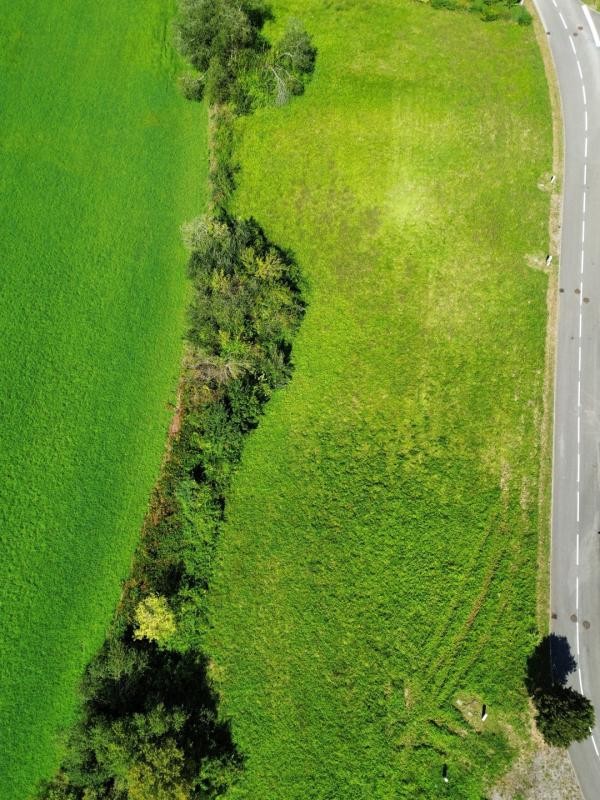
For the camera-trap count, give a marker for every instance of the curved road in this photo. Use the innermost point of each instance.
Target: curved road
(573, 37)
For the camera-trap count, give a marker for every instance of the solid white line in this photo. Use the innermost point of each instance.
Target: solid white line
(579, 68)
(572, 46)
(584, 95)
(582, 231)
(562, 19)
(588, 16)
(594, 743)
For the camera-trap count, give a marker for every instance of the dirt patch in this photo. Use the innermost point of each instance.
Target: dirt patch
(546, 773)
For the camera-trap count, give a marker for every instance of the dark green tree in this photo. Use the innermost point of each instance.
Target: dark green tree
(563, 715)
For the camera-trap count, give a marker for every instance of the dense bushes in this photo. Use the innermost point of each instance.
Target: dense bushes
(235, 64)
(148, 727)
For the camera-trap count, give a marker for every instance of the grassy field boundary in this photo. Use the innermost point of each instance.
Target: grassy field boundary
(554, 236)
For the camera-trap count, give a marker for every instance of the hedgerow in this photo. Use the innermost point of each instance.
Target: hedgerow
(149, 727)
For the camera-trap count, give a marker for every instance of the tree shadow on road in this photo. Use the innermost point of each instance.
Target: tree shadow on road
(550, 664)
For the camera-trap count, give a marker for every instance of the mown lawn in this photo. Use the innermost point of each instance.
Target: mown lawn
(100, 161)
(378, 565)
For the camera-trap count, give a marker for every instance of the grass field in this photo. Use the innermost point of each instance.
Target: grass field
(100, 162)
(376, 578)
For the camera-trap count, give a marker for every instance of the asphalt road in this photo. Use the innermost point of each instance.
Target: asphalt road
(575, 593)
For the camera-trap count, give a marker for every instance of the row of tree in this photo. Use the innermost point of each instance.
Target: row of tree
(148, 727)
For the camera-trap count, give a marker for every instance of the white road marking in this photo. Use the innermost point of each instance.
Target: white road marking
(580, 323)
(588, 16)
(577, 635)
(578, 473)
(585, 153)
(579, 68)
(582, 231)
(577, 509)
(580, 681)
(572, 43)
(594, 743)
(582, 260)
(577, 593)
(562, 19)
(584, 95)
(579, 393)
(580, 358)
(584, 195)
(586, 121)
(580, 301)
(577, 554)
(555, 3)
(578, 429)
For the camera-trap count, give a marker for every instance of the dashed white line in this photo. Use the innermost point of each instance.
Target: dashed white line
(577, 593)
(586, 121)
(579, 68)
(572, 43)
(585, 152)
(580, 681)
(578, 508)
(577, 551)
(579, 393)
(584, 196)
(582, 260)
(562, 19)
(582, 231)
(594, 743)
(580, 323)
(578, 429)
(577, 639)
(584, 95)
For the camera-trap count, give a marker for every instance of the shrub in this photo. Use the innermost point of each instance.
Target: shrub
(154, 620)
(563, 715)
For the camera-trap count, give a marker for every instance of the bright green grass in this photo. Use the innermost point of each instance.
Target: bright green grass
(100, 161)
(379, 560)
